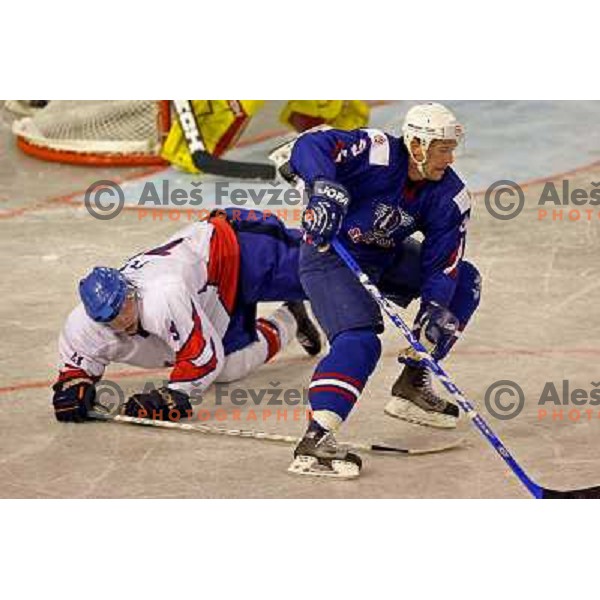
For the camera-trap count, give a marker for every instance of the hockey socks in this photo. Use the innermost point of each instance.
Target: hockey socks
(341, 376)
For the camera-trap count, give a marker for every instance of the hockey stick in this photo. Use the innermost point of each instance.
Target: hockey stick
(261, 435)
(206, 162)
(536, 490)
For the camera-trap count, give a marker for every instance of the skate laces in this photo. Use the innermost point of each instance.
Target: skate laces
(423, 381)
(328, 442)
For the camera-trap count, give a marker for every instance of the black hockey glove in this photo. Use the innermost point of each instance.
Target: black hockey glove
(325, 211)
(72, 402)
(162, 404)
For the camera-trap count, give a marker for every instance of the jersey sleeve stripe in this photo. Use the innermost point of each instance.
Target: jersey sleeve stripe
(271, 335)
(70, 372)
(463, 200)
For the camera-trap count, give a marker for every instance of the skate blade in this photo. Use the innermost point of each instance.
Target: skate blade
(309, 465)
(405, 410)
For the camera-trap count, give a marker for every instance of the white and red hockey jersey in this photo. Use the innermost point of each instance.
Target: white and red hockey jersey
(187, 289)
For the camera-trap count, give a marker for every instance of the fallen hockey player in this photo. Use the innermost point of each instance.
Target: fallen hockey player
(190, 303)
(373, 191)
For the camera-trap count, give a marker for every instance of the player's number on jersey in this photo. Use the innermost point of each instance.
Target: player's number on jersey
(136, 263)
(76, 359)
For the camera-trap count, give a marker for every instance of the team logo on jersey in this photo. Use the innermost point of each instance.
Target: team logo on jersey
(389, 220)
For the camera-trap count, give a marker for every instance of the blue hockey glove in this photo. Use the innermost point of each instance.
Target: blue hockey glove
(436, 328)
(325, 211)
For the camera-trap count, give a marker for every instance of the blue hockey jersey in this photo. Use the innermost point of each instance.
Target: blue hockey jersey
(386, 206)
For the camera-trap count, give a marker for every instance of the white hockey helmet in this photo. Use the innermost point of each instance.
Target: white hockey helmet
(429, 122)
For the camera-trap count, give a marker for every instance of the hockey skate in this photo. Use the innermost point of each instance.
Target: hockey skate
(307, 333)
(319, 454)
(416, 402)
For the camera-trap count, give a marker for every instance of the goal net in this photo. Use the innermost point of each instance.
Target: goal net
(96, 132)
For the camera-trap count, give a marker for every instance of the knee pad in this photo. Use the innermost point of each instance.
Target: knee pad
(468, 293)
(472, 278)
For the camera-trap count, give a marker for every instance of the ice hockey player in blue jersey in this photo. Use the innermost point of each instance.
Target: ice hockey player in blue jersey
(373, 191)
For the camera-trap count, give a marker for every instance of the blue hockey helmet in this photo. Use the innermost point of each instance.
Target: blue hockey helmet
(103, 292)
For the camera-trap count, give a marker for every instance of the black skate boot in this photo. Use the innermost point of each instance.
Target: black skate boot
(319, 454)
(416, 402)
(307, 334)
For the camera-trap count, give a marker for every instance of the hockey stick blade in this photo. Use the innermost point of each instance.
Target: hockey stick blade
(412, 451)
(212, 165)
(591, 493)
(261, 435)
(206, 162)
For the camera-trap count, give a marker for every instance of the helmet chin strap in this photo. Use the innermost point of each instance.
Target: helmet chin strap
(420, 163)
